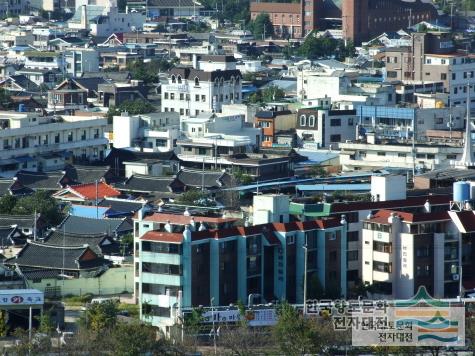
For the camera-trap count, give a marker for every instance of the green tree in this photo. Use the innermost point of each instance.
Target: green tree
(136, 107)
(45, 323)
(135, 339)
(5, 99)
(272, 93)
(148, 71)
(195, 197)
(7, 203)
(297, 335)
(314, 47)
(3, 323)
(262, 26)
(100, 317)
(41, 202)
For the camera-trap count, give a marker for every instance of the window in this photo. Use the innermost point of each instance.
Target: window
(290, 240)
(381, 154)
(332, 256)
(353, 255)
(203, 98)
(197, 82)
(451, 156)
(303, 120)
(335, 122)
(182, 96)
(454, 76)
(350, 122)
(70, 136)
(335, 138)
(311, 121)
(401, 155)
(197, 97)
(172, 96)
(443, 76)
(353, 236)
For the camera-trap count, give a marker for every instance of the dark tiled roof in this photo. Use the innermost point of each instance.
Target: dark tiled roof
(24, 82)
(210, 179)
(11, 236)
(122, 205)
(170, 3)
(143, 183)
(40, 180)
(87, 174)
(22, 221)
(40, 255)
(191, 74)
(100, 244)
(90, 84)
(84, 226)
(122, 76)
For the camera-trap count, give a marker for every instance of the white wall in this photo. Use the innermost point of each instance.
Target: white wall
(390, 187)
(125, 130)
(270, 208)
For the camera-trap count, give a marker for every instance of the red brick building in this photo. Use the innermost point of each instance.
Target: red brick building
(360, 19)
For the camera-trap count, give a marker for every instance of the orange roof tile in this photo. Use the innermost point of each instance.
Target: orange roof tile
(162, 237)
(176, 219)
(89, 191)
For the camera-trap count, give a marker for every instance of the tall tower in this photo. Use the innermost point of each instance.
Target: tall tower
(467, 160)
(354, 17)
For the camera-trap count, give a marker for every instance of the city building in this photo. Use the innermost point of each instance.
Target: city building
(360, 20)
(165, 9)
(151, 132)
(29, 138)
(403, 251)
(205, 87)
(324, 126)
(197, 266)
(437, 61)
(277, 117)
(377, 154)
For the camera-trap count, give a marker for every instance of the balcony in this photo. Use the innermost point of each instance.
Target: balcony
(381, 257)
(382, 276)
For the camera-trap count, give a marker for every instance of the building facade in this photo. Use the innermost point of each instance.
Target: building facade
(205, 87)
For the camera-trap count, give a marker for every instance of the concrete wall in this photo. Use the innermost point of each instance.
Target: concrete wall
(113, 281)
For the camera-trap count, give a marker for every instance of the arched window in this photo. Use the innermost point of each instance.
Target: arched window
(237, 80)
(173, 79)
(222, 81)
(197, 82)
(303, 120)
(311, 120)
(179, 79)
(232, 80)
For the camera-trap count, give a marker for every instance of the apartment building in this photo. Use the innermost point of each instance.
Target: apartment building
(401, 122)
(324, 126)
(276, 118)
(211, 82)
(27, 137)
(149, 133)
(341, 85)
(403, 251)
(376, 154)
(190, 267)
(388, 192)
(433, 58)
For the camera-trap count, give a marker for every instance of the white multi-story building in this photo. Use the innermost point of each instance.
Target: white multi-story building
(373, 155)
(402, 251)
(205, 87)
(81, 60)
(26, 137)
(150, 133)
(341, 85)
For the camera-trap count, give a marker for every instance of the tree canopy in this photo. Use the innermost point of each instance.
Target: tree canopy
(148, 71)
(40, 201)
(262, 26)
(322, 47)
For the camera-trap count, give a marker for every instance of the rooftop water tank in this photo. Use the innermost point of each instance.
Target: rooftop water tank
(461, 191)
